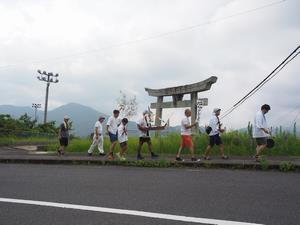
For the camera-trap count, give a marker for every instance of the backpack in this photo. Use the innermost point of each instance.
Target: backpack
(208, 129)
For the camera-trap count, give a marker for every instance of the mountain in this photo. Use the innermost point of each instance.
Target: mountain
(16, 111)
(83, 117)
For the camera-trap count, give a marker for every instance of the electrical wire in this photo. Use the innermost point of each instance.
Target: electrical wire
(161, 35)
(285, 62)
(296, 118)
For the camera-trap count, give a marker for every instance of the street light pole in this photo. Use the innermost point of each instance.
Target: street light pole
(48, 78)
(35, 106)
(46, 103)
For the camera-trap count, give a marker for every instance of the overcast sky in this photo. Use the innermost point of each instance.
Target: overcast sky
(92, 45)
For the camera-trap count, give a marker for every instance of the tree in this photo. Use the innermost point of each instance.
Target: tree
(127, 106)
(25, 126)
(27, 122)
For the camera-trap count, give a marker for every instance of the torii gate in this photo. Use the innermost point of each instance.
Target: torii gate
(177, 94)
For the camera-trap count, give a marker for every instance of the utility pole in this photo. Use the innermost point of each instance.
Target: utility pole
(48, 78)
(35, 106)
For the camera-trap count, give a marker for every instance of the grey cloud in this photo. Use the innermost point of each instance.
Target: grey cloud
(240, 51)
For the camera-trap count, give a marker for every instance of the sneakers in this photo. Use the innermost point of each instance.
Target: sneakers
(90, 154)
(140, 157)
(224, 157)
(206, 158)
(178, 159)
(195, 159)
(101, 154)
(154, 156)
(257, 158)
(110, 157)
(122, 158)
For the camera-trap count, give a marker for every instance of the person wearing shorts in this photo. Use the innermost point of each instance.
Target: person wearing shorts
(186, 138)
(112, 130)
(123, 138)
(214, 135)
(215, 140)
(260, 130)
(63, 135)
(143, 126)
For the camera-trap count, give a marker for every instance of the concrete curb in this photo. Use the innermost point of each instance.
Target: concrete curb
(247, 165)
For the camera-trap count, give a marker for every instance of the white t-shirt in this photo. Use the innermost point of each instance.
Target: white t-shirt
(214, 124)
(186, 122)
(113, 124)
(259, 122)
(143, 123)
(99, 126)
(122, 133)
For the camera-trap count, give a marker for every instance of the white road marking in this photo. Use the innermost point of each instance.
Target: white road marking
(127, 212)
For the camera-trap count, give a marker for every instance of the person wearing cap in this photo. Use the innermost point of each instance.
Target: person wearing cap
(112, 131)
(261, 130)
(214, 135)
(63, 135)
(144, 126)
(98, 137)
(186, 138)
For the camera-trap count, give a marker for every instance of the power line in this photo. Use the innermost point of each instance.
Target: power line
(283, 117)
(161, 35)
(291, 57)
(296, 118)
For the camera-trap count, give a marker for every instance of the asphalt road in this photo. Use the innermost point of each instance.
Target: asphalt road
(271, 198)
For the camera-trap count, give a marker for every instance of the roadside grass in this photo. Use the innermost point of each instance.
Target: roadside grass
(236, 143)
(286, 167)
(25, 140)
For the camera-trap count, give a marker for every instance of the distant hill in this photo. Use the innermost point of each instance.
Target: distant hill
(16, 111)
(83, 117)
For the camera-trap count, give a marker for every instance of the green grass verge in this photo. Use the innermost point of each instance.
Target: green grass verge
(236, 143)
(17, 140)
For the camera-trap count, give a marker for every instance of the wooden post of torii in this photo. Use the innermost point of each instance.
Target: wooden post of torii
(177, 94)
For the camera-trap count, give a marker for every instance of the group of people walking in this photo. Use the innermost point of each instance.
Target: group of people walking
(116, 129)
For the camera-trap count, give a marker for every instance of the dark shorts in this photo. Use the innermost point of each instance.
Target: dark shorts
(215, 140)
(113, 137)
(145, 139)
(261, 141)
(123, 144)
(64, 141)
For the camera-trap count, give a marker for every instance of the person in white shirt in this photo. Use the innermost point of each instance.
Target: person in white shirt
(186, 138)
(261, 130)
(123, 138)
(144, 127)
(214, 135)
(97, 138)
(111, 130)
